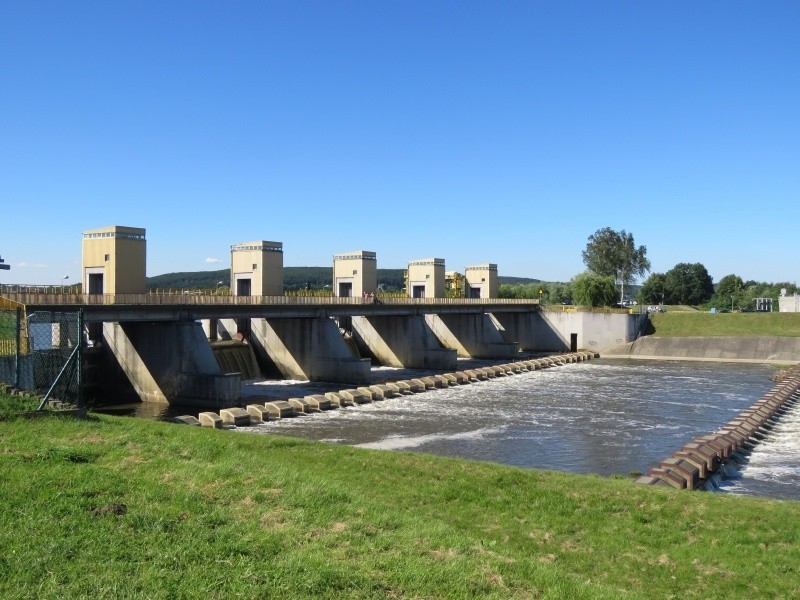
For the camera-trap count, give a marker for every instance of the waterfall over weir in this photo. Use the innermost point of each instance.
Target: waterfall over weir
(234, 356)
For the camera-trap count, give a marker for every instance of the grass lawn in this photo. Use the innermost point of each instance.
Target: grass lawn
(115, 507)
(685, 324)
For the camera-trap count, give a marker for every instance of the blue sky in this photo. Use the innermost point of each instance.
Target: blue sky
(503, 132)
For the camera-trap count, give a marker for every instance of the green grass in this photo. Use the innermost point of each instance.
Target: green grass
(221, 514)
(684, 324)
(12, 407)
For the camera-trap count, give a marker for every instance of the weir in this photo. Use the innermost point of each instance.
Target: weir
(255, 414)
(696, 463)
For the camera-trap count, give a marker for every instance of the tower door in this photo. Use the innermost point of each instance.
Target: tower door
(345, 289)
(95, 283)
(243, 287)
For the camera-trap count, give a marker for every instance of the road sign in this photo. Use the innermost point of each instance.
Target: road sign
(3, 266)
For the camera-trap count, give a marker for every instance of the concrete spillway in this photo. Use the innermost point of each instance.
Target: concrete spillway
(234, 356)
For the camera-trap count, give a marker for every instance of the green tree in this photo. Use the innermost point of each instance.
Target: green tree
(729, 290)
(613, 254)
(591, 289)
(688, 283)
(653, 289)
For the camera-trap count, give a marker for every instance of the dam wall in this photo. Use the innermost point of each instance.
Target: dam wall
(762, 349)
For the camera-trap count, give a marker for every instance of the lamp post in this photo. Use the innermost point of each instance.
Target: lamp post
(63, 279)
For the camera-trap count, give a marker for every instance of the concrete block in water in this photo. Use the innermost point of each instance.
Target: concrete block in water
(415, 385)
(185, 420)
(374, 395)
(386, 390)
(462, 377)
(431, 383)
(380, 392)
(442, 381)
(355, 396)
(301, 405)
(235, 416)
(403, 387)
(695, 459)
(668, 476)
(336, 399)
(320, 402)
(710, 454)
(474, 375)
(279, 409)
(210, 419)
(392, 388)
(719, 443)
(258, 413)
(685, 469)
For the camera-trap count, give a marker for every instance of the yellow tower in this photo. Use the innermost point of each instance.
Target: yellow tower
(257, 269)
(114, 260)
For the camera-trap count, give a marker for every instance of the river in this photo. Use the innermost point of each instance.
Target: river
(606, 417)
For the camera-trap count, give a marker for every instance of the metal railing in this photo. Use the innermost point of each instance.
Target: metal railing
(36, 297)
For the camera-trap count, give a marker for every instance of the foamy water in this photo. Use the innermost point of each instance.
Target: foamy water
(607, 418)
(773, 468)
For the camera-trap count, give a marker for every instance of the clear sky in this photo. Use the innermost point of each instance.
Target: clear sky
(494, 131)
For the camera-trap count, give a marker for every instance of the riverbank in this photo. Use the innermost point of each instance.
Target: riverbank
(748, 349)
(115, 507)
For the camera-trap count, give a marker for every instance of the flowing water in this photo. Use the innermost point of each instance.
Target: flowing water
(602, 417)
(607, 417)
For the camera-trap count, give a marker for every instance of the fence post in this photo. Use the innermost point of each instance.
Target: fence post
(19, 348)
(80, 358)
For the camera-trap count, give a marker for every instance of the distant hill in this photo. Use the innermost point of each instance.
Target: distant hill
(294, 278)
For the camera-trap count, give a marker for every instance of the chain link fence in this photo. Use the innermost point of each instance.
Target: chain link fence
(39, 352)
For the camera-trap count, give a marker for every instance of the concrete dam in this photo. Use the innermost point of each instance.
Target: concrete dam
(196, 350)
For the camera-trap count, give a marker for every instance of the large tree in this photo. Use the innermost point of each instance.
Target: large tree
(653, 290)
(591, 289)
(688, 284)
(729, 290)
(613, 254)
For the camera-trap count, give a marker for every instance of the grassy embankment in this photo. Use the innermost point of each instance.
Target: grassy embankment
(114, 507)
(686, 324)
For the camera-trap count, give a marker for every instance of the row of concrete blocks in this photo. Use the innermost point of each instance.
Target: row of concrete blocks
(281, 409)
(692, 465)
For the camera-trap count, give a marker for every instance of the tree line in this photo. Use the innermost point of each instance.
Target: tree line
(614, 262)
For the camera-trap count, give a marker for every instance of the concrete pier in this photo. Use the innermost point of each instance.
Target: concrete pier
(308, 349)
(168, 362)
(403, 342)
(472, 336)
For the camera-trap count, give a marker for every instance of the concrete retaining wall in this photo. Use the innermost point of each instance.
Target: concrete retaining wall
(596, 331)
(731, 349)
